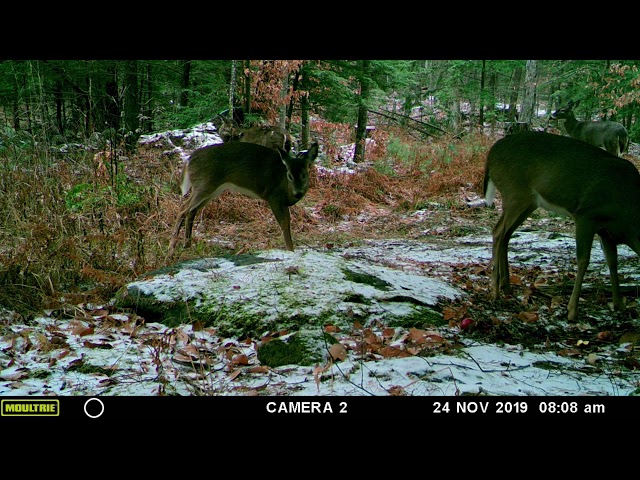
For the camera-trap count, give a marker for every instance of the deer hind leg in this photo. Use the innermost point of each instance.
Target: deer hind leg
(176, 230)
(610, 250)
(187, 214)
(513, 214)
(584, 241)
(283, 217)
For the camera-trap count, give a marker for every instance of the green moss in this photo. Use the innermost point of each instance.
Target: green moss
(366, 279)
(277, 352)
(420, 318)
(82, 367)
(170, 314)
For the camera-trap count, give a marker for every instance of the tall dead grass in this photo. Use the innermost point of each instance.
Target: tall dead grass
(77, 227)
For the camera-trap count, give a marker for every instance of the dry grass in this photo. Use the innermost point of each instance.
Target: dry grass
(74, 232)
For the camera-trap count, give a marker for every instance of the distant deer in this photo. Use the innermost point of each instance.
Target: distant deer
(600, 191)
(612, 136)
(254, 170)
(267, 136)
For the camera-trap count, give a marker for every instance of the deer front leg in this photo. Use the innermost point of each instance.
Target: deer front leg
(283, 217)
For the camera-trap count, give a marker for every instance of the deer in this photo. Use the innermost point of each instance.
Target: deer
(273, 175)
(271, 137)
(611, 136)
(598, 190)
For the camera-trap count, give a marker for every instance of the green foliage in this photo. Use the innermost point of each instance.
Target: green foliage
(86, 197)
(400, 151)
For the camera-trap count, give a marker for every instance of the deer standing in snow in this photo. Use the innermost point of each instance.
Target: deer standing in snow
(600, 191)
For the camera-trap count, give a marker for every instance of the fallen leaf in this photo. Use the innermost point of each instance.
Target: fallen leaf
(89, 344)
(337, 351)
(391, 352)
(568, 352)
(82, 330)
(592, 358)
(629, 337)
(397, 391)
(258, 369)
(527, 317)
(241, 359)
(388, 332)
(604, 335)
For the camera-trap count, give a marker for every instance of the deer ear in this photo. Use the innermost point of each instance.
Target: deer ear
(310, 154)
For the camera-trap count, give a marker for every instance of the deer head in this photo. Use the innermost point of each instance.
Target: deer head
(272, 175)
(600, 191)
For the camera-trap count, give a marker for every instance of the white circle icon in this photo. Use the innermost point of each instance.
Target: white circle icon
(101, 409)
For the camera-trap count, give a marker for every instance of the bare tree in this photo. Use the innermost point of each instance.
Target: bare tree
(363, 98)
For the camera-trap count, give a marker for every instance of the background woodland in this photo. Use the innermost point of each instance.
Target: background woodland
(86, 208)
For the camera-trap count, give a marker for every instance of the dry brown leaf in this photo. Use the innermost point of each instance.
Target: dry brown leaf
(397, 391)
(180, 358)
(241, 359)
(258, 369)
(234, 374)
(515, 279)
(449, 313)
(569, 352)
(337, 351)
(370, 337)
(89, 344)
(630, 337)
(197, 326)
(388, 332)
(331, 328)
(391, 352)
(17, 375)
(528, 317)
(82, 330)
(416, 334)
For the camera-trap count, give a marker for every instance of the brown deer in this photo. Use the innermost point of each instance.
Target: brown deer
(600, 191)
(267, 136)
(254, 170)
(612, 136)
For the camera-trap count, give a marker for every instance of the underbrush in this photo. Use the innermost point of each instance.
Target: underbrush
(77, 227)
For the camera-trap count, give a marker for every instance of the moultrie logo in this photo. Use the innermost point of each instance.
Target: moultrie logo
(30, 408)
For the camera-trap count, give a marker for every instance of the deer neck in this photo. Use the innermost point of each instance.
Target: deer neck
(571, 123)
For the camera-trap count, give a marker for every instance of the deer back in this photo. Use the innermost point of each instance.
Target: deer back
(255, 170)
(567, 176)
(270, 137)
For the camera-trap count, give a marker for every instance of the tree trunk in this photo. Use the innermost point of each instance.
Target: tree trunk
(483, 74)
(131, 104)
(513, 101)
(304, 108)
(184, 84)
(529, 100)
(363, 100)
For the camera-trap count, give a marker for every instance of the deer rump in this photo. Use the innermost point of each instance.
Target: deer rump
(599, 191)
